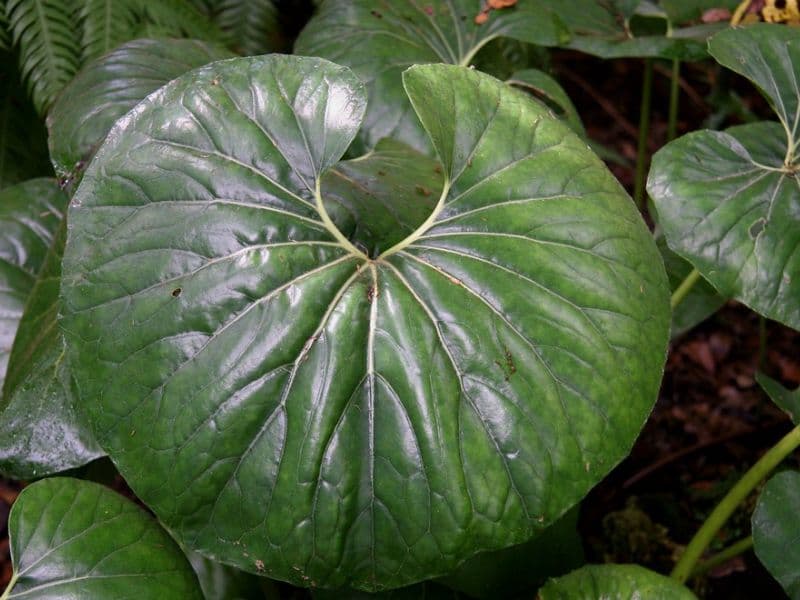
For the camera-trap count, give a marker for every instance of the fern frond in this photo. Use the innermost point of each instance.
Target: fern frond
(47, 36)
(179, 18)
(106, 25)
(250, 26)
(5, 40)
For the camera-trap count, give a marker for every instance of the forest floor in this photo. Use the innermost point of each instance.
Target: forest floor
(711, 421)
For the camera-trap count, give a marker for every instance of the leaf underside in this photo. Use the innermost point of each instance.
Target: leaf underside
(614, 582)
(288, 405)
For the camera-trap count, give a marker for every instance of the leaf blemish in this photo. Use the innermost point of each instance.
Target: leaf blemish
(756, 228)
(421, 189)
(376, 14)
(176, 292)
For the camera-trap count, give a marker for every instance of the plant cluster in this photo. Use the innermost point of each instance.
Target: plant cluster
(372, 317)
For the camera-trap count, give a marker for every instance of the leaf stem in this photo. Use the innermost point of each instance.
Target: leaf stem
(724, 556)
(419, 231)
(464, 62)
(674, 100)
(644, 132)
(683, 289)
(7, 593)
(757, 473)
(331, 227)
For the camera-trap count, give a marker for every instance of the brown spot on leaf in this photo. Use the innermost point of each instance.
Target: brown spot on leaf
(176, 292)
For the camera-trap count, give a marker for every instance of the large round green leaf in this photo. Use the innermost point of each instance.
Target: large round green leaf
(30, 213)
(110, 86)
(614, 582)
(378, 40)
(776, 529)
(729, 202)
(293, 406)
(77, 539)
(40, 431)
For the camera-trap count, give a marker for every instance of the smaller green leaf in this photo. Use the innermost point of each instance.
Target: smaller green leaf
(548, 90)
(769, 56)
(78, 539)
(614, 582)
(362, 194)
(109, 87)
(788, 401)
(40, 430)
(776, 529)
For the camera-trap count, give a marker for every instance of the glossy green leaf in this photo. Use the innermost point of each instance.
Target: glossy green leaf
(30, 213)
(700, 302)
(734, 220)
(78, 539)
(40, 431)
(294, 408)
(787, 400)
(378, 40)
(614, 582)
(547, 89)
(776, 529)
(606, 29)
(109, 87)
(729, 202)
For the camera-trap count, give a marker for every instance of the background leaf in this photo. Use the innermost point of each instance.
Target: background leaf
(30, 213)
(40, 432)
(77, 539)
(378, 40)
(776, 528)
(109, 87)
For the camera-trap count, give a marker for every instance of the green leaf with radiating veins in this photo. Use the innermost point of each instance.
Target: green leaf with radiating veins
(729, 202)
(614, 582)
(40, 431)
(297, 408)
(776, 529)
(78, 539)
(378, 40)
(110, 86)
